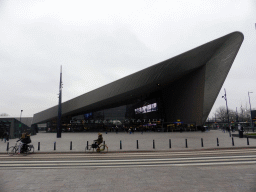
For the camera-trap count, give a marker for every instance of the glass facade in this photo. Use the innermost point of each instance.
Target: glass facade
(140, 114)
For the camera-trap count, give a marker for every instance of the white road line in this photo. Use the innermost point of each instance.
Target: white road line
(133, 155)
(134, 166)
(132, 160)
(89, 164)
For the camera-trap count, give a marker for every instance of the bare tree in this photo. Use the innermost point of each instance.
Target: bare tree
(221, 114)
(244, 114)
(232, 115)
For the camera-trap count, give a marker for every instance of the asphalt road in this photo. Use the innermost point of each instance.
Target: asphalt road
(204, 170)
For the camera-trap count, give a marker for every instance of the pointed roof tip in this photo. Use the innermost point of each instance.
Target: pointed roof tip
(238, 33)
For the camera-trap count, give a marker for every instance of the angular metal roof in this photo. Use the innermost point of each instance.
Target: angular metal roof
(217, 55)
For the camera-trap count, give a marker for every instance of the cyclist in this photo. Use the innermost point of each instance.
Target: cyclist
(99, 140)
(25, 140)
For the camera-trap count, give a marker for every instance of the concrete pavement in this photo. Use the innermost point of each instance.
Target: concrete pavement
(145, 141)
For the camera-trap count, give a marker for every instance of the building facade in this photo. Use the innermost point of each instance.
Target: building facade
(15, 126)
(178, 91)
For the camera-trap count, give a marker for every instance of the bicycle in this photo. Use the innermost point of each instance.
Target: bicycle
(14, 149)
(98, 148)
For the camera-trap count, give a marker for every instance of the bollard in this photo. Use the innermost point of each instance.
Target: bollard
(217, 142)
(103, 145)
(55, 145)
(233, 141)
(7, 148)
(70, 145)
(170, 144)
(137, 144)
(186, 142)
(38, 146)
(202, 142)
(153, 144)
(87, 145)
(248, 141)
(120, 144)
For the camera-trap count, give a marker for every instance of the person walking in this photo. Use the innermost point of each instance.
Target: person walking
(116, 129)
(7, 136)
(4, 137)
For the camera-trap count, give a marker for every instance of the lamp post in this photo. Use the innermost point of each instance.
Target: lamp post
(59, 125)
(225, 97)
(236, 115)
(20, 122)
(250, 109)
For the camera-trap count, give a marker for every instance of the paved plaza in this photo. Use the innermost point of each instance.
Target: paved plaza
(129, 141)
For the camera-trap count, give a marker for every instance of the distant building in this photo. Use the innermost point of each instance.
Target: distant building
(180, 90)
(15, 127)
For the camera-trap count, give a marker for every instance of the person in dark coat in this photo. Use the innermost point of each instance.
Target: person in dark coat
(99, 140)
(25, 140)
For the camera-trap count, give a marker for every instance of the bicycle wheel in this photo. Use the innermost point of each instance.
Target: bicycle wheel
(103, 147)
(31, 148)
(12, 150)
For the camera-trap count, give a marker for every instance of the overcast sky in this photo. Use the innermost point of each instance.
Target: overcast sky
(98, 42)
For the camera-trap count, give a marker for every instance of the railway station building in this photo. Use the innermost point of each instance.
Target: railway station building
(177, 92)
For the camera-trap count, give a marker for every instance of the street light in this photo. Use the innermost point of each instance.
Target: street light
(225, 97)
(250, 108)
(236, 115)
(20, 118)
